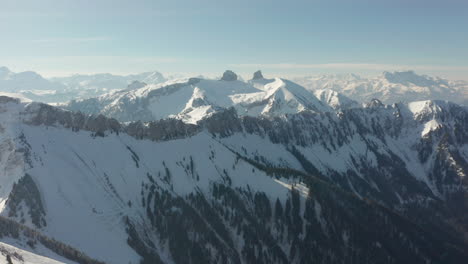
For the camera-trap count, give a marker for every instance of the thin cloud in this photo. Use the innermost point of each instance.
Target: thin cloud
(110, 60)
(25, 14)
(351, 66)
(52, 66)
(72, 40)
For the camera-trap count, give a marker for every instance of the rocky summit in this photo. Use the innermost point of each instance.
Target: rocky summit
(229, 76)
(257, 75)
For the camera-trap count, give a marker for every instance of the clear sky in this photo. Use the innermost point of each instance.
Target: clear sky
(287, 38)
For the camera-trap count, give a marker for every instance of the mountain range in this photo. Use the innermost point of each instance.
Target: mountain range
(31, 86)
(194, 99)
(391, 87)
(199, 170)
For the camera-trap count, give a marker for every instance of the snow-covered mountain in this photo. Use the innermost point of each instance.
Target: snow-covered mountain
(194, 99)
(335, 99)
(31, 86)
(25, 81)
(378, 183)
(391, 87)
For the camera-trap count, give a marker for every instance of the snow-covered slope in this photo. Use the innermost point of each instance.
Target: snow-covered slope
(322, 186)
(11, 254)
(194, 99)
(335, 99)
(391, 87)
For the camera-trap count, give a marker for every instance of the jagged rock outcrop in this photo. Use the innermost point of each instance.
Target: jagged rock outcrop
(43, 114)
(374, 103)
(229, 76)
(165, 129)
(257, 75)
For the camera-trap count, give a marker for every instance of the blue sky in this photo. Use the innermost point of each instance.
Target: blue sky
(287, 38)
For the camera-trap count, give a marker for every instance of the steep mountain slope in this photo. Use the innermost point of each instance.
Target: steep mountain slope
(380, 184)
(391, 87)
(194, 99)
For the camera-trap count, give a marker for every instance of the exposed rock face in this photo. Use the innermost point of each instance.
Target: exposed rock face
(6, 99)
(229, 76)
(43, 114)
(162, 130)
(257, 75)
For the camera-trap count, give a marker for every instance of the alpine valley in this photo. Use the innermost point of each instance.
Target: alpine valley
(200, 170)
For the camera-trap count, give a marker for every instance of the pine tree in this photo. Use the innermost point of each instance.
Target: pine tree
(8, 259)
(278, 209)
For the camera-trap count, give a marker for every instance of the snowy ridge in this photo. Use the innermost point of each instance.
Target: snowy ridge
(335, 99)
(194, 99)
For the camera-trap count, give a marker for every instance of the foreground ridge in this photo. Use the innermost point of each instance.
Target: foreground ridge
(240, 189)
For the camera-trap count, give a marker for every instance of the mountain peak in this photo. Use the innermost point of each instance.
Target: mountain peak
(229, 76)
(257, 75)
(428, 106)
(374, 103)
(335, 99)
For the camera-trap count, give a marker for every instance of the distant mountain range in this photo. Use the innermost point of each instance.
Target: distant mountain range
(32, 86)
(108, 82)
(390, 87)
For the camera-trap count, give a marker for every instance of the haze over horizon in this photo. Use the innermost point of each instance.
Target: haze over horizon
(63, 37)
